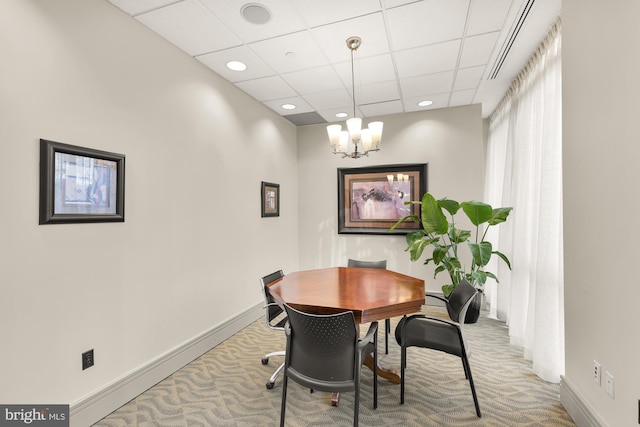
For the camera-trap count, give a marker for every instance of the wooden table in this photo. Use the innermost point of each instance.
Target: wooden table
(372, 294)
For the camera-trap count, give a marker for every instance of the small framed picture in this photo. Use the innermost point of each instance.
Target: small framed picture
(372, 199)
(80, 184)
(270, 199)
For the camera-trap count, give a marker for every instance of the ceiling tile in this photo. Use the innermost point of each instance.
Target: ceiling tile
(468, 78)
(427, 59)
(267, 88)
(488, 15)
(301, 105)
(340, 99)
(313, 80)
(292, 52)
(377, 92)
(134, 8)
(373, 69)
(426, 22)
(395, 3)
(369, 28)
(217, 61)
(381, 109)
(428, 84)
(190, 27)
(440, 100)
(477, 50)
(317, 13)
(461, 97)
(329, 115)
(284, 18)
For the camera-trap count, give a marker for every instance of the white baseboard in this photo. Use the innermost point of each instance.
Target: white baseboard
(102, 402)
(576, 406)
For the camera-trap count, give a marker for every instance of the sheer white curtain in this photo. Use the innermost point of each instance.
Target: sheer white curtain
(524, 170)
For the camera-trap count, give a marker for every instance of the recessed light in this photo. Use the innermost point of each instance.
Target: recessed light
(341, 115)
(425, 103)
(288, 107)
(255, 13)
(236, 65)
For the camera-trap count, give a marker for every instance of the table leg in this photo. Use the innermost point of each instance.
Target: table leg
(388, 374)
(335, 399)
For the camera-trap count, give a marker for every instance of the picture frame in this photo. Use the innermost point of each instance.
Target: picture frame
(371, 199)
(270, 199)
(79, 184)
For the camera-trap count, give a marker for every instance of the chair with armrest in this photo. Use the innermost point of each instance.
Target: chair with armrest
(382, 265)
(276, 319)
(324, 353)
(439, 334)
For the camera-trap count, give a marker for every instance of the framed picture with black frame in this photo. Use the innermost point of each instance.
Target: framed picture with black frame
(270, 199)
(372, 199)
(79, 185)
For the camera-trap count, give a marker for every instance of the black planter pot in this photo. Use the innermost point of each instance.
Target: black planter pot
(473, 312)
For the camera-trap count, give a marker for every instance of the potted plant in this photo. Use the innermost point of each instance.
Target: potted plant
(446, 239)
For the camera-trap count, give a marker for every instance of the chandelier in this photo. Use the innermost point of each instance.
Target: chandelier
(354, 142)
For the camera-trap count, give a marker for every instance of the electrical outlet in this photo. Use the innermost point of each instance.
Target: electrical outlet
(609, 384)
(87, 359)
(596, 372)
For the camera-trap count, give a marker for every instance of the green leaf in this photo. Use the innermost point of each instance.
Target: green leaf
(481, 252)
(440, 269)
(433, 220)
(439, 252)
(450, 206)
(493, 276)
(413, 236)
(447, 289)
(455, 263)
(459, 236)
(478, 278)
(504, 258)
(416, 248)
(499, 215)
(403, 219)
(477, 212)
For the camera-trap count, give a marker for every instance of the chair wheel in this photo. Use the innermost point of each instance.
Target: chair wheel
(265, 360)
(270, 386)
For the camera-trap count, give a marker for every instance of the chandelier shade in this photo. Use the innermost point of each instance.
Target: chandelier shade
(354, 142)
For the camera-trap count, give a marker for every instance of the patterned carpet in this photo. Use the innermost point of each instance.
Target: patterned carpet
(226, 387)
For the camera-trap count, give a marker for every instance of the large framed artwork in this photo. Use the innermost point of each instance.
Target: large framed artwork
(371, 199)
(80, 184)
(270, 199)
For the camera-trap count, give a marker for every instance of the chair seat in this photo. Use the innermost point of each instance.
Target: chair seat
(320, 385)
(430, 333)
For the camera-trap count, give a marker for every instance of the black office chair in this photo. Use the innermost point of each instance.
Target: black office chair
(325, 354)
(439, 334)
(382, 265)
(276, 319)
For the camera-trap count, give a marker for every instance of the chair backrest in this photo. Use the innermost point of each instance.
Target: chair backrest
(382, 265)
(460, 299)
(322, 347)
(273, 310)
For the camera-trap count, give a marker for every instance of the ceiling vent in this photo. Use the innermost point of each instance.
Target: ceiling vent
(508, 43)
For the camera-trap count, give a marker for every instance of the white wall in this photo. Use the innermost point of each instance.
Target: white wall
(193, 246)
(601, 183)
(449, 140)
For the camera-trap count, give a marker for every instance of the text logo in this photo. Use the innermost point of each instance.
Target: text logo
(34, 415)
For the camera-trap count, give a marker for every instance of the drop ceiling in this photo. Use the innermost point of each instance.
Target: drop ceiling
(450, 52)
